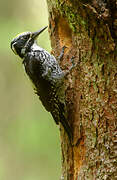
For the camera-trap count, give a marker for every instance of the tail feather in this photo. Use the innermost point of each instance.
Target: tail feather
(67, 128)
(60, 116)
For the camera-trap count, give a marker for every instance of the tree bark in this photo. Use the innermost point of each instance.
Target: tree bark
(89, 31)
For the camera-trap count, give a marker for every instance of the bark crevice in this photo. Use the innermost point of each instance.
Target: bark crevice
(88, 30)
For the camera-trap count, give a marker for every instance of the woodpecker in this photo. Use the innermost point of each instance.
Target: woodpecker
(47, 76)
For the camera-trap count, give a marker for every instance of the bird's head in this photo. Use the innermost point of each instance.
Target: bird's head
(23, 41)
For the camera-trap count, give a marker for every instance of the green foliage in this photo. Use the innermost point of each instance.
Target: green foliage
(29, 138)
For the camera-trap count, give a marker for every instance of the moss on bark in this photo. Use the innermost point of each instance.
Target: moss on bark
(88, 30)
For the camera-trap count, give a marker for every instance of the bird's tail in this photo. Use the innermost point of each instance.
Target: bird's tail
(60, 116)
(66, 126)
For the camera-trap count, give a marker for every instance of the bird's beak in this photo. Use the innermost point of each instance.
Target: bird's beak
(36, 34)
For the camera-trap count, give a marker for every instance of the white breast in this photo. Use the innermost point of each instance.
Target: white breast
(35, 47)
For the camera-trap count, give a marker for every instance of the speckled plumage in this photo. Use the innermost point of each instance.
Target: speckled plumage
(47, 76)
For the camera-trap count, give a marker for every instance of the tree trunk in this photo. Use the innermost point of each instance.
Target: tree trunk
(89, 31)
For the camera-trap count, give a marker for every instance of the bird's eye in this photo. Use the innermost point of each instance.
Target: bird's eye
(13, 49)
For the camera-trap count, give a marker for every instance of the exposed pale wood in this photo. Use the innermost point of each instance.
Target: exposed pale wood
(89, 31)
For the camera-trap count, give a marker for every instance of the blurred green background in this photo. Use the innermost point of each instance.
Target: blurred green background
(29, 138)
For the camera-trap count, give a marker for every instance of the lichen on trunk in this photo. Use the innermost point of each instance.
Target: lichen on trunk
(88, 30)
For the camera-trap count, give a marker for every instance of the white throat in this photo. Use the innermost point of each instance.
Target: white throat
(35, 47)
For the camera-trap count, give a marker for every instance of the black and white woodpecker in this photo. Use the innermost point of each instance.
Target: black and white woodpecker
(45, 73)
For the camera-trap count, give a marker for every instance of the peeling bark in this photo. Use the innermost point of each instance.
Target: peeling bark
(89, 31)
